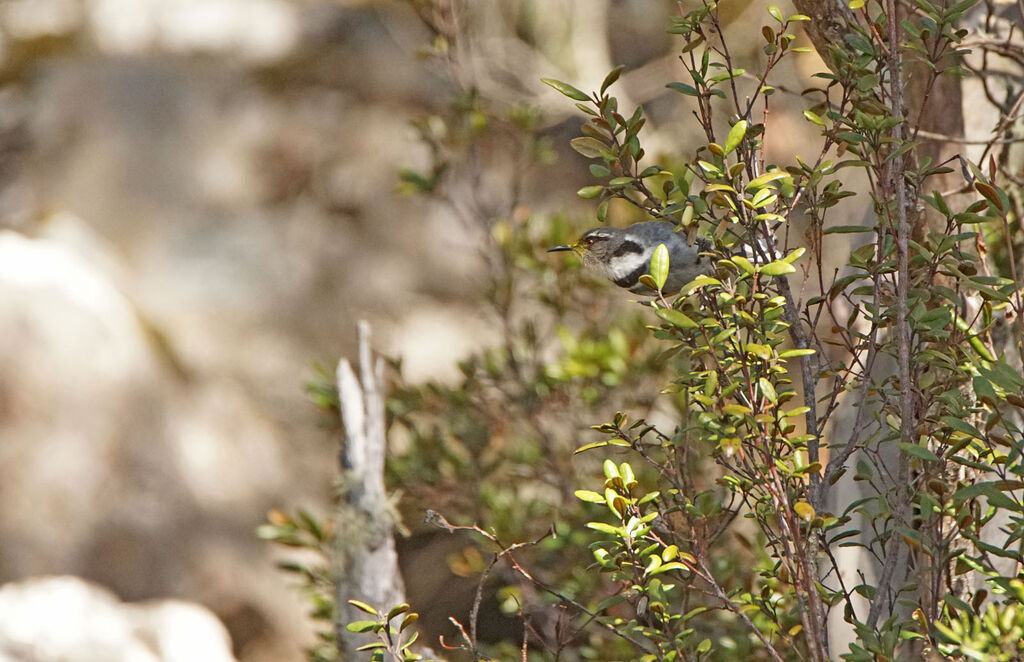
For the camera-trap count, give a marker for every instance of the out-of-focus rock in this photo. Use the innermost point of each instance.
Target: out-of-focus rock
(118, 462)
(66, 619)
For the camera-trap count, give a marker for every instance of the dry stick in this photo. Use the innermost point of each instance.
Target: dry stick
(366, 564)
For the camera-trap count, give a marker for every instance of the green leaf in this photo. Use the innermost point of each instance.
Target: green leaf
(665, 567)
(743, 263)
(767, 178)
(920, 452)
(758, 350)
(362, 626)
(792, 353)
(777, 268)
(683, 88)
(847, 229)
(675, 318)
(604, 528)
(362, 606)
(566, 89)
(864, 471)
(736, 135)
(612, 76)
(589, 496)
(804, 510)
(814, 118)
(851, 137)
(398, 609)
(659, 266)
(961, 425)
(601, 444)
(408, 620)
(990, 490)
(794, 255)
(647, 280)
(991, 194)
(588, 146)
(588, 192)
(998, 551)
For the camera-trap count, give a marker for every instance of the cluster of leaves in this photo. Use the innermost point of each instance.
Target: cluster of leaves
(783, 365)
(316, 538)
(394, 639)
(737, 381)
(994, 633)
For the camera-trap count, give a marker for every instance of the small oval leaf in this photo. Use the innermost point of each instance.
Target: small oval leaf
(804, 510)
(566, 89)
(736, 135)
(675, 318)
(587, 146)
(659, 266)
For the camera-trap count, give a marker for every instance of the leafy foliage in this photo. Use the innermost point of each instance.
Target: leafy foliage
(723, 525)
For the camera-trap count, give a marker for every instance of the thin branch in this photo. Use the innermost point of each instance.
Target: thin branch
(433, 517)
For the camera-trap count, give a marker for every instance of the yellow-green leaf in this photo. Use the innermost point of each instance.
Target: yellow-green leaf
(659, 266)
(361, 626)
(736, 135)
(362, 606)
(814, 118)
(778, 268)
(767, 178)
(675, 318)
(794, 255)
(804, 510)
(589, 496)
(743, 263)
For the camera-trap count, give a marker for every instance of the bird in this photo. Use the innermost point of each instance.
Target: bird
(623, 255)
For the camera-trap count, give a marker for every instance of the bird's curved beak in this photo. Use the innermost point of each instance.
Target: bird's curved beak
(563, 247)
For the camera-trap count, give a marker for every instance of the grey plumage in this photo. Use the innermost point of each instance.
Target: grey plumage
(624, 255)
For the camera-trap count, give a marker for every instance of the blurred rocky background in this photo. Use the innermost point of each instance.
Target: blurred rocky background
(198, 199)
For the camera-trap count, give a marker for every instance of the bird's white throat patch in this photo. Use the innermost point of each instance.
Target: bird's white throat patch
(620, 266)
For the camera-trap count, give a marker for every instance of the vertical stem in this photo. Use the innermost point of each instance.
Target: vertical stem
(894, 570)
(899, 189)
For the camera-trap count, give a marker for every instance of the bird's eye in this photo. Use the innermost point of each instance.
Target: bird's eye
(589, 241)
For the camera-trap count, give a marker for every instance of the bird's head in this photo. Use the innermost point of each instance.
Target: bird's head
(595, 248)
